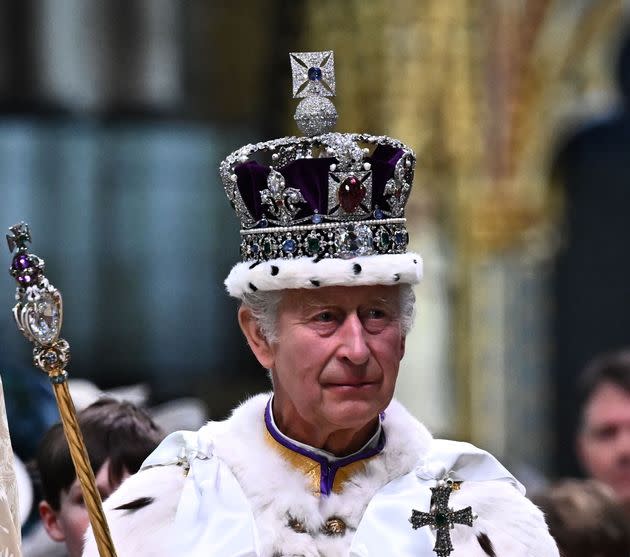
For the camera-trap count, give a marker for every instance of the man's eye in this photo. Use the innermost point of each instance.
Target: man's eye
(604, 433)
(324, 317)
(376, 313)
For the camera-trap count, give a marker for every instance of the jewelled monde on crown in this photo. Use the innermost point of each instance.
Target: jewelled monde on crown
(325, 194)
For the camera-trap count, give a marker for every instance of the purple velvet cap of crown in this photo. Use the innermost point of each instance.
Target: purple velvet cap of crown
(310, 176)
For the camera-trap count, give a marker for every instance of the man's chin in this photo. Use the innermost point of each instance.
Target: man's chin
(354, 414)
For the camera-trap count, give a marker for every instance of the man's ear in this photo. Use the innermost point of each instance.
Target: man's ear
(260, 346)
(50, 521)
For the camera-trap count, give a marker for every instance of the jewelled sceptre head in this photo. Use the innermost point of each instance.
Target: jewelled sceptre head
(38, 313)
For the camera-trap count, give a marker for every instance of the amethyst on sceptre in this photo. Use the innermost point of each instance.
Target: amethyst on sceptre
(25, 268)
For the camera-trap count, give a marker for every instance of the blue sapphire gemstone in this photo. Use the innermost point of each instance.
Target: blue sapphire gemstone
(263, 223)
(255, 249)
(316, 218)
(400, 238)
(314, 73)
(288, 246)
(378, 214)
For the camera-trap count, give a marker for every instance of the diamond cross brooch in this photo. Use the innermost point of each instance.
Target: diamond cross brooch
(441, 518)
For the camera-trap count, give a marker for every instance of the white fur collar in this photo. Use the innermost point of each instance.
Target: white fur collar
(277, 491)
(274, 491)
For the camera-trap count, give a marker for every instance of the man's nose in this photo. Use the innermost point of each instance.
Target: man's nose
(353, 342)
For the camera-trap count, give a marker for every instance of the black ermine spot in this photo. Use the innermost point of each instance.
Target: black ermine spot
(486, 544)
(135, 504)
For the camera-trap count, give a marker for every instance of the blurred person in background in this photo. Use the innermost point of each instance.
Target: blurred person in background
(603, 441)
(118, 437)
(592, 270)
(585, 519)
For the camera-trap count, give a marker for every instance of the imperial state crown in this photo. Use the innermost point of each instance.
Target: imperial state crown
(323, 209)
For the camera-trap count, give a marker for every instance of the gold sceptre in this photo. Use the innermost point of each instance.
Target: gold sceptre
(38, 314)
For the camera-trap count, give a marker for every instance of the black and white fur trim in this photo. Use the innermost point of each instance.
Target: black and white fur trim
(306, 272)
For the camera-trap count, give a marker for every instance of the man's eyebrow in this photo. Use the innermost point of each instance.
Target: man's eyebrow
(382, 301)
(308, 303)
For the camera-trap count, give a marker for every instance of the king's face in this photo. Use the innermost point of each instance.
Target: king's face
(335, 362)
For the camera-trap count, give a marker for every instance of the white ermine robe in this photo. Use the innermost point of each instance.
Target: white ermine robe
(232, 490)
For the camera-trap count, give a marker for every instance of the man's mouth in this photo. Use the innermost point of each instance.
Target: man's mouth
(350, 384)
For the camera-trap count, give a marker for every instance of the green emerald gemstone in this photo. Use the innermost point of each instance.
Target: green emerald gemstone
(441, 520)
(267, 247)
(385, 240)
(312, 245)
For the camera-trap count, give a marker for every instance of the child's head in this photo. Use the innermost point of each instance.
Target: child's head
(118, 436)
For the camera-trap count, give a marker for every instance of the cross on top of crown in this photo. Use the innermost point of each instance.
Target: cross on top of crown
(313, 73)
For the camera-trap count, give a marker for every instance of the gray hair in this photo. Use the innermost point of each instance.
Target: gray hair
(264, 307)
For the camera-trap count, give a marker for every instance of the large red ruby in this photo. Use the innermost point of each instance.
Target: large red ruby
(351, 193)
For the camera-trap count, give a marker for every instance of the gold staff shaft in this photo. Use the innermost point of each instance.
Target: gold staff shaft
(38, 314)
(81, 461)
